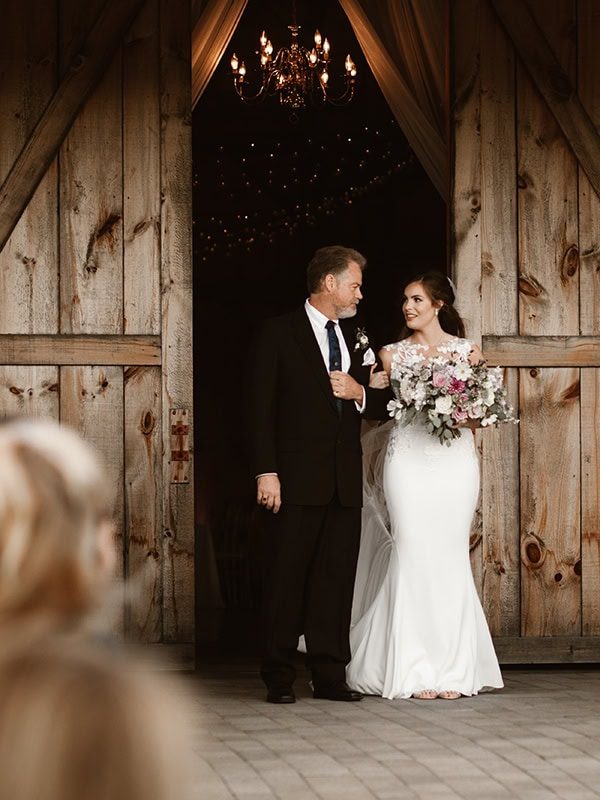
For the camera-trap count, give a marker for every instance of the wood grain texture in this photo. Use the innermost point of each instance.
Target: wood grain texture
(29, 391)
(91, 196)
(501, 513)
(550, 502)
(552, 76)
(141, 174)
(499, 313)
(588, 16)
(91, 402)
(465, 26)
(547, 204)
(543, 351)
(143, 502)
(176, 271)
(499, 275)
(28, 76)
(590, 501)
(77, 81)
(72, 350)
(548, 649)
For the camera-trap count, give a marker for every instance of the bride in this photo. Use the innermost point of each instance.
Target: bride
(418, 625)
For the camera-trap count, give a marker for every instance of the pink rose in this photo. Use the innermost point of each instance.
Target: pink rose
(439, 380)
(456, 386)
(459, 415)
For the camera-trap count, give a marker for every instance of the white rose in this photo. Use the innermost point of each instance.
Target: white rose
(462, 372)
(443, 404)
(476, 411)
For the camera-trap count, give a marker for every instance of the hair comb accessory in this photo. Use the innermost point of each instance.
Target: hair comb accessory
(452, 284)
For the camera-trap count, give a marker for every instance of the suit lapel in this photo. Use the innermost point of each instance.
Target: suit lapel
(312, 352)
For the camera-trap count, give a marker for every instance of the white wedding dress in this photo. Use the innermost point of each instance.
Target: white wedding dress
(417, 620)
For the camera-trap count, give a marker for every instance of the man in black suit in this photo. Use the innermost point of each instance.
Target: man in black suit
(309, 387)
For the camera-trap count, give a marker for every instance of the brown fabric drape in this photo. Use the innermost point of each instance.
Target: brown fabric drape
(213, 22)
(404, 42)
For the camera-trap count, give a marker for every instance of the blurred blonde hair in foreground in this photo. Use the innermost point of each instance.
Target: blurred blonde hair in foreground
(56, 551)
(76, 724)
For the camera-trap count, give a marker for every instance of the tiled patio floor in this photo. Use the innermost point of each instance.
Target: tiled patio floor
(538, 738)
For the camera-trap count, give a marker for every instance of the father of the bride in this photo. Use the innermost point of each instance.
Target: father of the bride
(309, 387)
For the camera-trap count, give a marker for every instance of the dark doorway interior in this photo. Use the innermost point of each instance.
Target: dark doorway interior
(267, 193)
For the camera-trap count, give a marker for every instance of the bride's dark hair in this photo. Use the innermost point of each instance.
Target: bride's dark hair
(438, 287)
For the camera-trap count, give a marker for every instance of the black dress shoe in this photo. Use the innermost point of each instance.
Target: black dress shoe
(339, 691)
(281, 696)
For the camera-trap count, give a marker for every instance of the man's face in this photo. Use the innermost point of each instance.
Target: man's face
(346, 293)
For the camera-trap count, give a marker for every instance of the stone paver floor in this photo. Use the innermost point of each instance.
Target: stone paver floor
(538, 738)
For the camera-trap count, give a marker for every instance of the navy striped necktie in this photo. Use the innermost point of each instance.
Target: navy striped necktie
(335, 355)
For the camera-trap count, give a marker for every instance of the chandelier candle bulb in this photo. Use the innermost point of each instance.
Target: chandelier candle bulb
(295, 74)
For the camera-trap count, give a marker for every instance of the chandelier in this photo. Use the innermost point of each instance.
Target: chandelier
(295, 73)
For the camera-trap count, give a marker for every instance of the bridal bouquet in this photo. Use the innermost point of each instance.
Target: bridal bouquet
(446, 392)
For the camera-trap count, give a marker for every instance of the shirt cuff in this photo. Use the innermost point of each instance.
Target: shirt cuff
(361, 407)
(264, 475)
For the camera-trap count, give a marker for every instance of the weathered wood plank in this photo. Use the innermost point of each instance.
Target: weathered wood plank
(590, 501)
(548, 232)
(176, 268)
(73, 350)
(143, 502)
(465, 27)
(141, 174)
(91, 191)
(29, 391)
(76, 85)
(499, 278)
(553, 79)
(28, 75)
(499, 314)
(543, 351)
(588, 17)
(500, 502)
(547, 649)
(550, 509)
(91, 402)
(588, 76)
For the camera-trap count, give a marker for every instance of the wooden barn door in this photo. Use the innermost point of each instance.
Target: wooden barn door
(95, 280)
(526, 228)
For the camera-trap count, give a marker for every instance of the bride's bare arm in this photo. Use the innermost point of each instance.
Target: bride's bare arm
(380, 379)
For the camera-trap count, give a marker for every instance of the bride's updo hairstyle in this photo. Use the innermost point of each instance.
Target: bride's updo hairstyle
(439, 289)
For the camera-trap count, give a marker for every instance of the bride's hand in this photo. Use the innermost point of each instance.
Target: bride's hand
(378, 380)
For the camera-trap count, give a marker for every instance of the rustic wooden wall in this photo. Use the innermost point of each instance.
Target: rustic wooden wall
(526, 256)
(97, 274)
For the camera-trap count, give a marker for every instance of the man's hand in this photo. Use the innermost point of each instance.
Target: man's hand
(268, 492)
(344, 387)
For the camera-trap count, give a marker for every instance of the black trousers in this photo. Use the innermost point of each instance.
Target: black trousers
(311, 565)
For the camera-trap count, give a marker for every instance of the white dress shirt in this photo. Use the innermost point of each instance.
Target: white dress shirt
(319, 322)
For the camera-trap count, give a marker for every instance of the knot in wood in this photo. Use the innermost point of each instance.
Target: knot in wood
(148, 423)
(577, 568)
(534, 373)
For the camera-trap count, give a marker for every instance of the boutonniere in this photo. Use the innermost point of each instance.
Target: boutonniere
(362, 343)
(362, 340)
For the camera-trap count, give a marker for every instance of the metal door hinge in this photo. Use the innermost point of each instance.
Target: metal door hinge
(180, 445)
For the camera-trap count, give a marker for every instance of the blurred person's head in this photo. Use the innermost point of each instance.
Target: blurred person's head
(56, 548)
(77, 723)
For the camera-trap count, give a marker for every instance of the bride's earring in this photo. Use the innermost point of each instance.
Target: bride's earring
(437, 311)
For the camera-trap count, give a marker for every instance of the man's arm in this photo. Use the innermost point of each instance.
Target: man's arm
(262, 384)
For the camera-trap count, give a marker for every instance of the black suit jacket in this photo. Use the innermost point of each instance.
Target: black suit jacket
(295, 427)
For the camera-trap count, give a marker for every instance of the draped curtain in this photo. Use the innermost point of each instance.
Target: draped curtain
(404, 42)
(214, 22)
